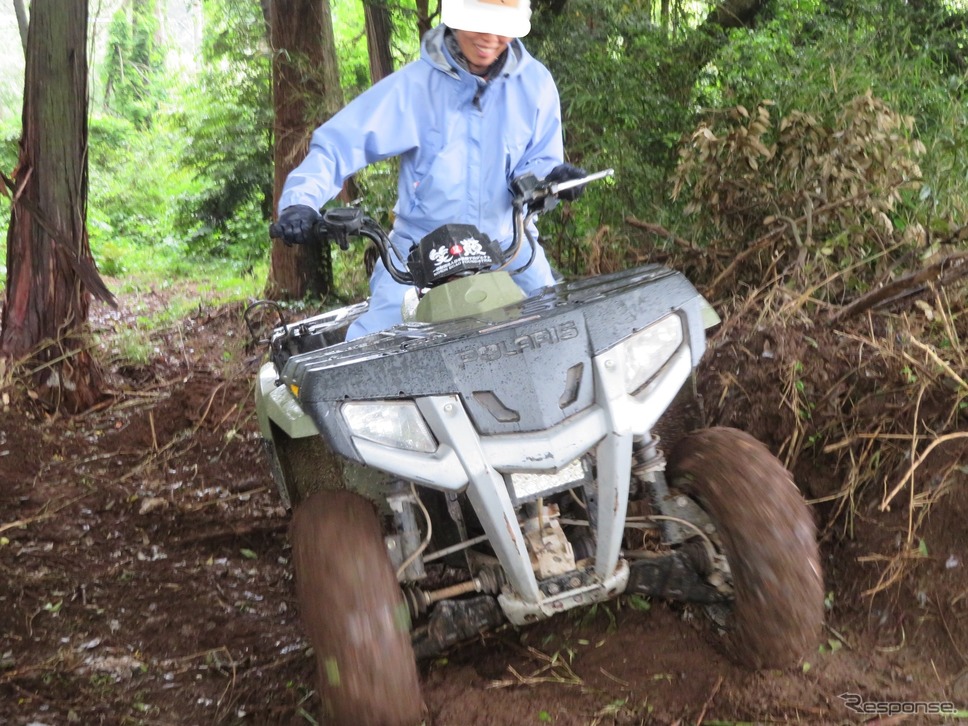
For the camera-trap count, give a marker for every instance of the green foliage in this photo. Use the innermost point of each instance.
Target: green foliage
(630, 91)
(134, 184)
(135, 214)
(8, 160)
(133, 84)
(618, 83)
(857, 160)
(227, 115)
(808, 61)
(351, 50)
(405, 44)
(196, 185)
(351, 43)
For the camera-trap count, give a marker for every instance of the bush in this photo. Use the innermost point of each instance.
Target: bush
(135, 182)
(826, 190)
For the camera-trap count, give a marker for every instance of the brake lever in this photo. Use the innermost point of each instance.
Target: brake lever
(540, 197)
(558, 187)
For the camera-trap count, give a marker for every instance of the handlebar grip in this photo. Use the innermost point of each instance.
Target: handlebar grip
(320, 231)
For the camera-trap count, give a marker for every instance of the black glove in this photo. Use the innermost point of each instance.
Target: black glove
(295, 225)
(567, 172)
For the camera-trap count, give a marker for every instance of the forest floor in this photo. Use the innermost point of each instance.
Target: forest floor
(145, 570)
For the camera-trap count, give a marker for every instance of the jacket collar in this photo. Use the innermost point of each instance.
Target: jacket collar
(440, 49)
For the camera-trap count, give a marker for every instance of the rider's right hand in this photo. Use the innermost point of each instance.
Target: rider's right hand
(295, 224)
(566, 173)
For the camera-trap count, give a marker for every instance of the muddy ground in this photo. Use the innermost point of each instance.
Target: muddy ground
(146, 574)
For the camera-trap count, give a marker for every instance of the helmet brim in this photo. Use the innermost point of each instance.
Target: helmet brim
(487, 17)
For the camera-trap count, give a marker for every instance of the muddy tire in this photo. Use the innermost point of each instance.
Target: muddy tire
(769, 539)
(353, 613)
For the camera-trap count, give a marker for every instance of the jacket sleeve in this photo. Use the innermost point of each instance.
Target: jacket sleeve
(376, 125)
(546, 148)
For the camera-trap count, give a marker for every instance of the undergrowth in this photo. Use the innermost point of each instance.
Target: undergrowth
(822, 232)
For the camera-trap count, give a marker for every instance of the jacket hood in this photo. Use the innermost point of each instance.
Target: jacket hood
(433, 49)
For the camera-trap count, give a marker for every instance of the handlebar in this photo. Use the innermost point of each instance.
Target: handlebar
(557, 187)
(530, 198)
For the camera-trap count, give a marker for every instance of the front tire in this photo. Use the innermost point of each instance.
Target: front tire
(769, 537)
(353, 613)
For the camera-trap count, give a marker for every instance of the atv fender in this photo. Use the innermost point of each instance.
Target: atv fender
(275, 403)
(299, 459)
(710, 318)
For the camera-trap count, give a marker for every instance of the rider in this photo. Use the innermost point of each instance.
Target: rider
(473, 113)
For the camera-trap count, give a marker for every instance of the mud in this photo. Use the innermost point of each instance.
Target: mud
(147, 575)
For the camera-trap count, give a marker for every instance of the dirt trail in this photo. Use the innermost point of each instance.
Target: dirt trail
(146, 572)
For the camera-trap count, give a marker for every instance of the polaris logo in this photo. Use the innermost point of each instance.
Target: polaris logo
(523, 343)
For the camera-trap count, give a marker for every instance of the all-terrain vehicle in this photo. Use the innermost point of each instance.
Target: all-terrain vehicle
(494, 460)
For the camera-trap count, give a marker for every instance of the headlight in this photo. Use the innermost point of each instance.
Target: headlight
(649, 349)
(391, 423)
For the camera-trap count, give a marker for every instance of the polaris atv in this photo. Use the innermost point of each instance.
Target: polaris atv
(494, 460)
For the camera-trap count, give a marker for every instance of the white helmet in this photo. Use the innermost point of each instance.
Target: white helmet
(510, 18)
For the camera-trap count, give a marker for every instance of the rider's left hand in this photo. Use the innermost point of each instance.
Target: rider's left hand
(566, 172)
(295, 225)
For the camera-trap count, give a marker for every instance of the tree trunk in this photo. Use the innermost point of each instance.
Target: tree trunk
(423, 17)
(21, 11)
(49, 265)
(306, 92)
(378, 31)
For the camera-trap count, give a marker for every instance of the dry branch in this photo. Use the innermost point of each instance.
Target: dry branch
(763, 241)
(943, 364)
(886, 503)
(659, 231)
(947, 269)
(46, 513)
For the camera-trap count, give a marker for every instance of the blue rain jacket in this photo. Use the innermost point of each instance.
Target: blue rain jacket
(460, 139)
